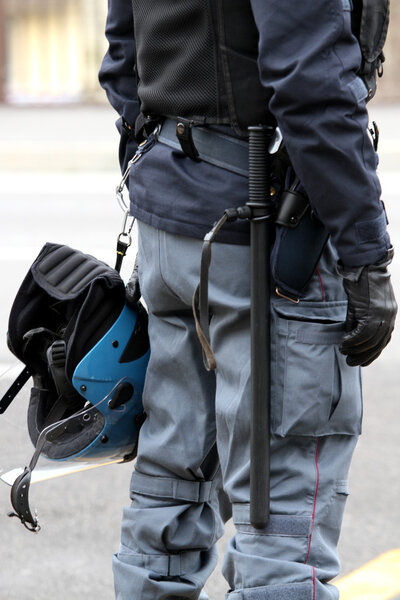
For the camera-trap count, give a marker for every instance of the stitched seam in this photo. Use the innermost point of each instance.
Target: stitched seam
(377, 234)
(284, 390)
(171, 291)
(313, 583)
(315, 500)
(173, 494)
(167, 496)
(322, 285)
(280, 535)
(363, 137)
(245, 527)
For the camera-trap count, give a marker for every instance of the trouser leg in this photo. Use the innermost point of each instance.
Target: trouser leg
(315, 421)
(169, 531)
(296, 555)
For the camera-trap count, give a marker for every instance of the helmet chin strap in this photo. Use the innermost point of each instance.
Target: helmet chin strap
(20, 502)
(20, 487)
(14, 389)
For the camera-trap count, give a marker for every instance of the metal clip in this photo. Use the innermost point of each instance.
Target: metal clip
(122, 246)
(374, 133)
(276, 141)
(142, 149)
(126, 231)
(285, 295)
(120, 187)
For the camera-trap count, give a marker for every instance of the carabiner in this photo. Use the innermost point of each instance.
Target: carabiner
(142, 149)
(122, 246)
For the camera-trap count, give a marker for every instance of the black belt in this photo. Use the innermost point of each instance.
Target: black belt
(212, 146)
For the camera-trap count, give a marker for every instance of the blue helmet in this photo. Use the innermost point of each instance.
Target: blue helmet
(102, 417)
(87, 353)
(110, 377)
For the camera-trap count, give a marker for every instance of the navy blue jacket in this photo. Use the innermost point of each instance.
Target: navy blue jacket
(308, 59)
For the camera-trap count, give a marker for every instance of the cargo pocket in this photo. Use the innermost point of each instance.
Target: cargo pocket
(314, 392)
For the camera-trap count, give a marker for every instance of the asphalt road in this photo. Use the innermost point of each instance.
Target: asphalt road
(80, 515)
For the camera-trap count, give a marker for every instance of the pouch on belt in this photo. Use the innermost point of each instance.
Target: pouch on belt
(299, 243)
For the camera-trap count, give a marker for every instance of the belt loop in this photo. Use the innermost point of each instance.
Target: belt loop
(184, 135)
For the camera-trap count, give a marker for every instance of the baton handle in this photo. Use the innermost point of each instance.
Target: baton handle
(260, 204)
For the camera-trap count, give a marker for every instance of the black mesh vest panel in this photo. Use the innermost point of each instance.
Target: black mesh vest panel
(198, 59)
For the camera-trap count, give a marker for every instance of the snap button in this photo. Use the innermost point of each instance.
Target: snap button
(180, 129)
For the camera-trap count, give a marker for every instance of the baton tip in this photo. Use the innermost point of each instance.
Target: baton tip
(259, 523)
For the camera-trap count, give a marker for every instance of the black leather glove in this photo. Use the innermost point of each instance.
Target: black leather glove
(371, 311)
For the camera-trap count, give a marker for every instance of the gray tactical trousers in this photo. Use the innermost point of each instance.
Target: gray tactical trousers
(196, 435)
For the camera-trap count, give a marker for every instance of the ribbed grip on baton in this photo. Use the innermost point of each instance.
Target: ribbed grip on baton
(258, 160)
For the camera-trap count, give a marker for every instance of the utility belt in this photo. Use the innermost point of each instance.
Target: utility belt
(299, 236)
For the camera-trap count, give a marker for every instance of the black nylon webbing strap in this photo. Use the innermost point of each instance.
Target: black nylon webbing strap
(200, 305)
(200, 298)
(122, 248)
(14, 389)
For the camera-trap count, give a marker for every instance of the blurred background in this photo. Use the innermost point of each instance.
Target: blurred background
(58, 172)
(50, 51)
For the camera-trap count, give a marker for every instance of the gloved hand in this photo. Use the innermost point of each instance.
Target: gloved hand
(371, 311)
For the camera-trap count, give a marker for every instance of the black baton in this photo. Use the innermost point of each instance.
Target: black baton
(261, 212)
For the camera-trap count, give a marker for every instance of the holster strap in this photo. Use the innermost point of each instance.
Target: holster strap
(166, 487)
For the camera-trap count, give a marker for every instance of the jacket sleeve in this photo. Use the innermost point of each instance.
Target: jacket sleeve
(308, 60)
(117, 74)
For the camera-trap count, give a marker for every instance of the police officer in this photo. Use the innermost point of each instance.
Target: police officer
(204, 71)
